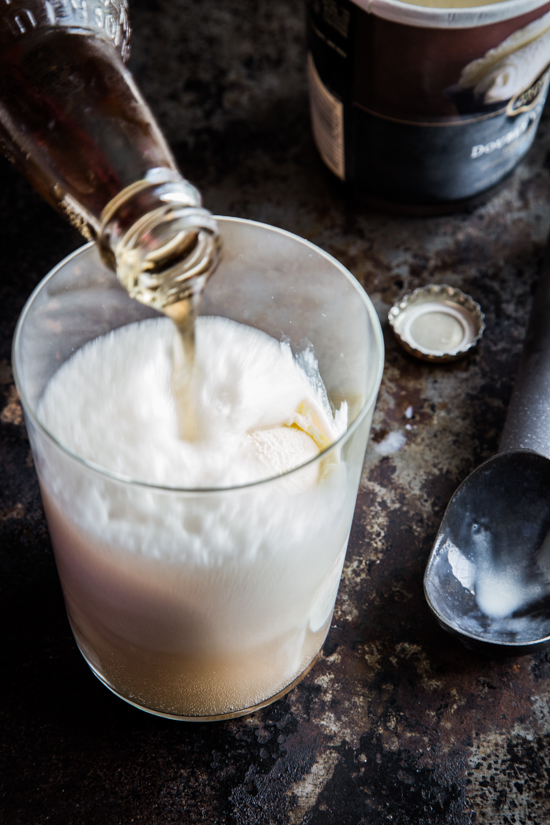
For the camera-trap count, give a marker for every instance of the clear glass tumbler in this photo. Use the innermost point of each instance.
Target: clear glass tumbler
(204, 604)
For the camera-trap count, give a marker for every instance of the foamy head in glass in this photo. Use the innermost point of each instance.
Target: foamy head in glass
(201, 604)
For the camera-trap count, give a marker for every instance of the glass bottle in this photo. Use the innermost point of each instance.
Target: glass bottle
(75, 124)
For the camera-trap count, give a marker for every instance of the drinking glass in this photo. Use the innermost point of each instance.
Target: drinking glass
(205, 603)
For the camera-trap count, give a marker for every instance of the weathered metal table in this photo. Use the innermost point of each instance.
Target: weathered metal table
(396, 723)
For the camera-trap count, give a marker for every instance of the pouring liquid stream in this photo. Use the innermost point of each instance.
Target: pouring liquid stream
(171, 278)
(184, 314)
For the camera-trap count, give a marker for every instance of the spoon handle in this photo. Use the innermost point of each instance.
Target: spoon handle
(528, 421)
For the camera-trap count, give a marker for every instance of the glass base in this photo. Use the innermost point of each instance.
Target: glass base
(233, 714)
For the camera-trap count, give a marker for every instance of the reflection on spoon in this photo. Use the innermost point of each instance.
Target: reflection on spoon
(488, 577)
(500, 588)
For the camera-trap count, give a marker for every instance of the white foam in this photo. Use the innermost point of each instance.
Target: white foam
(258, 412)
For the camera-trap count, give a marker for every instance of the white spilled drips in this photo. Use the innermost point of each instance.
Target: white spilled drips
(391, 443)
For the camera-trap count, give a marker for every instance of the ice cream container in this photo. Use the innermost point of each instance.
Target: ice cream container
(421, 107)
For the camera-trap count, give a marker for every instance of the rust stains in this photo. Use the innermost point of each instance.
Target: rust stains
(12, 413)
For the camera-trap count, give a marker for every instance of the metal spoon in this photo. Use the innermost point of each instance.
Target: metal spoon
(488, 575)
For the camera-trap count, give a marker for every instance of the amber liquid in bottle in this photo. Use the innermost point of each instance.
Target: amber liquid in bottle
(74, 122)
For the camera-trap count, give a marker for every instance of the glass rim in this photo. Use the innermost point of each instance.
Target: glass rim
(127, 480)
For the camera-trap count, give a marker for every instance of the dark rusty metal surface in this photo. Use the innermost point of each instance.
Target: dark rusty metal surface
(397, 723)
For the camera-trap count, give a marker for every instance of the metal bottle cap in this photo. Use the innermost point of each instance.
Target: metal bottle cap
(437, 323)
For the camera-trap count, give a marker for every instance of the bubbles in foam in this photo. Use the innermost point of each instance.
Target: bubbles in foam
(112, 403)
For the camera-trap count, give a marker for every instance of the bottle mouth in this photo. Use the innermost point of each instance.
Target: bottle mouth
(159, 239)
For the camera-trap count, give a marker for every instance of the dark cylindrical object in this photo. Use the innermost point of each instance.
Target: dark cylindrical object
(421, 107)
(528, 421)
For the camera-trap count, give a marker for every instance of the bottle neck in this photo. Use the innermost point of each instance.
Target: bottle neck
(73, 120)
(24, 18)
(159, 239)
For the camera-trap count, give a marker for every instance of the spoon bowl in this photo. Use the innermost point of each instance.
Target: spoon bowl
(488, 575)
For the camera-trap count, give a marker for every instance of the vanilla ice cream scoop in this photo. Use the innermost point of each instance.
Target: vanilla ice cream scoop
(512, 66)
(280, 449)
(516, 72)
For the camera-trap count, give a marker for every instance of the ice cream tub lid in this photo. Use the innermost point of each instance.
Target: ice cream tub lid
(437, 323)
(464, 15)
